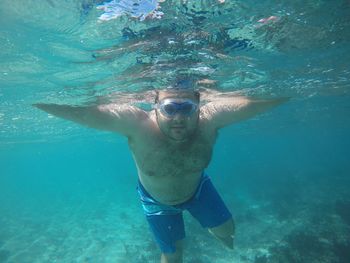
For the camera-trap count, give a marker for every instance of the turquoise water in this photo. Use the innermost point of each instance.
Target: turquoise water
(67, 193)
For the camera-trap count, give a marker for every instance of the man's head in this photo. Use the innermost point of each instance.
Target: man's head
(177, 112)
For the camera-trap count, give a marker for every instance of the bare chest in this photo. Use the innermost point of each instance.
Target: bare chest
(157, 158)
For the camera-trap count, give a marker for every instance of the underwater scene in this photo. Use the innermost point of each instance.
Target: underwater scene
(68, 192)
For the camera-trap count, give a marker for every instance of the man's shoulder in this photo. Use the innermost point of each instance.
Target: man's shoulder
(205, 127)
(206, 115)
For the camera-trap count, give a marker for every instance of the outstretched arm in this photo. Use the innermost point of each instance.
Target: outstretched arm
(124, 119)
(224, 111)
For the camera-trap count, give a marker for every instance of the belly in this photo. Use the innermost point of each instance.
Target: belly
(171, 190)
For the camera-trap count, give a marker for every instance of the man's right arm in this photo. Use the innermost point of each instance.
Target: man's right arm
(123, 119)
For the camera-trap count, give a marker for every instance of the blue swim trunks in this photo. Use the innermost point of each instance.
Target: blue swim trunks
(166, 221)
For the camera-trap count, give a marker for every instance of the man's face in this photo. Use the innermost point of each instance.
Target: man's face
(182, 122)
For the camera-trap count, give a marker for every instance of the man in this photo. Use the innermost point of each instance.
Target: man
(172, 145)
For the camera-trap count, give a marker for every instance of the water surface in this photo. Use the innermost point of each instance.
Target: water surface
(68, 192)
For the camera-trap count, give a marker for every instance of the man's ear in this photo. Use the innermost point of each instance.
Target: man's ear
(157, 97)
(197, 95)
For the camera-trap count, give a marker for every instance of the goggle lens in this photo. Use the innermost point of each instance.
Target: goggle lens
(170, 108)
(187, 108)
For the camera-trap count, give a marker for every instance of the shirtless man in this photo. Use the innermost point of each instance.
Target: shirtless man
(172, 145)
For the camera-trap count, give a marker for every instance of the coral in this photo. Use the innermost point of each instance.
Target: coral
(300, 246)
(343, 251)
(4, 255)
(342, 208)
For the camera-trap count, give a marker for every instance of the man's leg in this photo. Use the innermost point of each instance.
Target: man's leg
(169, 231)
(225, 233)
(167, 225)
(210, 210)
(176, 257)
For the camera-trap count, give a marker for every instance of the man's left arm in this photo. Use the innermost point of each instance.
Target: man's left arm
(225, 111)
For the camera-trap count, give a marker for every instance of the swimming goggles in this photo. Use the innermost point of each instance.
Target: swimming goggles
(170, 107)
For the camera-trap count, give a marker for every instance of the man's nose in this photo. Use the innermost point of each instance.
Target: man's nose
(178, 117)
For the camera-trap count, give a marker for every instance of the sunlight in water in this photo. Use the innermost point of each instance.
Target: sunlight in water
(68, 192)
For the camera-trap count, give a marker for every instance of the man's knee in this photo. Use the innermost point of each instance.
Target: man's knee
(176, 257)
(171, 258)
(225, 229)
(225, 232)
